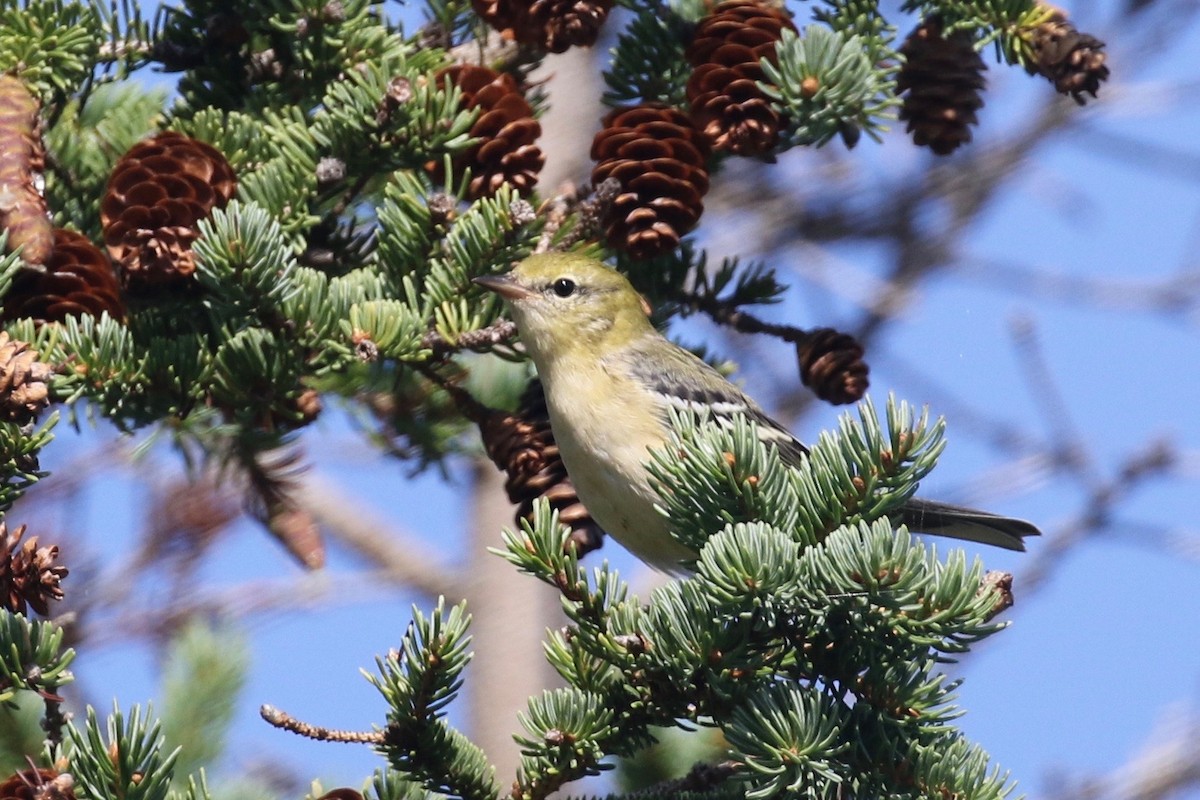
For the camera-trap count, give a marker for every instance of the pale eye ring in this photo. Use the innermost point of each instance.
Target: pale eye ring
(563, 287)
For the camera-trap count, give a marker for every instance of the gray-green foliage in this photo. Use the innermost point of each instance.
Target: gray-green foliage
(342, 266)
(340, 247)
(123, 758)
(418, 681)
(300, 269)
(849, 90)
(811, 634)
(32, 657)
(124, 755)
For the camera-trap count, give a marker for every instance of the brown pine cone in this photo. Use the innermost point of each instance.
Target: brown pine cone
(27, 573)
(23, 381)
(507, 150)
(725, 52)
(943, 78)
(659, 159)
(156, 195)
(522, 445)
(1072, 61)
(831, 364)
(78, 280)
(272, 485)
(37, 784)
(552, 25)
(556, 25)
(500, 15)
(22, 208)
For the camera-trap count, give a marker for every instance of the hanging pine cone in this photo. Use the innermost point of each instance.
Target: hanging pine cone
(156, 195)
(522, 445)
(943, 78)
(831, 364)
(725, 53)
(1072, 61)
(23, 381)
(507, 150)
(272, 486)
(659, 158)
(37, 784)
(78, 280)
(22, 208)
(556, 25)
(27, 573)
(552, 25)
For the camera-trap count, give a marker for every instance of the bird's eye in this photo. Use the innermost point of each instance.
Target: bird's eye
(564, 287)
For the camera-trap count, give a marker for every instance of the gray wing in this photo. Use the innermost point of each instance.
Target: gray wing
(723, 400)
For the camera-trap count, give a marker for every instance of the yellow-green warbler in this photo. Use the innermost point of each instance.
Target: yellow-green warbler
(610, 379)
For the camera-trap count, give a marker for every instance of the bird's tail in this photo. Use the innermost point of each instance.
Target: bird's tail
(969, 524)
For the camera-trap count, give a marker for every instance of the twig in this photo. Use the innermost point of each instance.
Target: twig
(555, 212)
(729, 315)
(470, 408)
(1167, 767)
(350, 194)
(1046, 391)
(1153, 460)
(284, 721)
(497, 333)
(117, 51)
(701, 778)
(54, 721)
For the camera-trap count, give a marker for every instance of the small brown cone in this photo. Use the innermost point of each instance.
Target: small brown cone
(659, 159)
(28, 575)
(298, 532)
(1072, 61)
(522, 445)
(1002, 584)
(156, 195)
(272, 484)
(22, 208)
(37, 784)
(725, 54)
(24, 389)
(943, 78)
(507, 150)
(78, 280)
(831, 364)
(552, 25)
(556, 25)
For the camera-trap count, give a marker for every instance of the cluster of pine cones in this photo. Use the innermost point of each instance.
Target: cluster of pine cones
(657, 156)
(158, 193)
(660, 155)
(942, 76)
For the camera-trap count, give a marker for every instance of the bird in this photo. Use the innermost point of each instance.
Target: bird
(611, 380)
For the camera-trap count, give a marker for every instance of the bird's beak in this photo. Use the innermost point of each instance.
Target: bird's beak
(505, 286)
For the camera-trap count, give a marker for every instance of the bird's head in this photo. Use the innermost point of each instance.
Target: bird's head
(568, 304)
